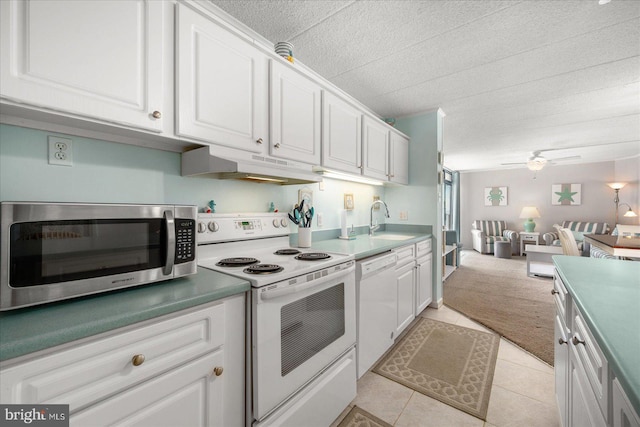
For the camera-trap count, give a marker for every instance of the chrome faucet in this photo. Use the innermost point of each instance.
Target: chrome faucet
(373, 227)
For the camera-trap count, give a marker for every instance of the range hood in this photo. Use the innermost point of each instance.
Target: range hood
(251, 167)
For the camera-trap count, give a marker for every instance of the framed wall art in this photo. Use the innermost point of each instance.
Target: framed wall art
(495, 196)
(566, 194)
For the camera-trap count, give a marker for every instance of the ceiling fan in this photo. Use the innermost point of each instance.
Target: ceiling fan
(536, 162)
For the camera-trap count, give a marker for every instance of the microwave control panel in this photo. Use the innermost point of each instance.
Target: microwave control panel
(185, 240)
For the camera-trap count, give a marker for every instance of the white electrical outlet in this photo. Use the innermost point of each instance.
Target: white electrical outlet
(320, 218)
(60, 151)
(404, 215)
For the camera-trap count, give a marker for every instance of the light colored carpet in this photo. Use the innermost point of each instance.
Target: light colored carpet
(447, 362)
(358, 417)
(498, 294)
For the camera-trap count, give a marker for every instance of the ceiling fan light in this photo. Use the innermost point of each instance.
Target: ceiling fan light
(536, 164)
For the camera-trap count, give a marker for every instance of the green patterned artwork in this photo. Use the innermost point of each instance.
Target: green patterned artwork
(566, 194)
(495, 196)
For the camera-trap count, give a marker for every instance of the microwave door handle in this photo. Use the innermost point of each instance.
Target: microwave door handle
(171, 242)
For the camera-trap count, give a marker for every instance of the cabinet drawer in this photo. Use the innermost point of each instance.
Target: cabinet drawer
(423, 247)
(198, 400)
(405, 255)
(560, 297)
(95, 370)
(592, 359)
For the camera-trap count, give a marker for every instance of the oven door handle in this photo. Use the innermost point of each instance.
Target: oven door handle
(171, 242)
(277, 293)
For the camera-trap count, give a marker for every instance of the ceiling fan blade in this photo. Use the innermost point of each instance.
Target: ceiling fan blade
(565, 158)
(515, 163)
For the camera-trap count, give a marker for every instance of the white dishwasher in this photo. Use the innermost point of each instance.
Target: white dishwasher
(376, 297)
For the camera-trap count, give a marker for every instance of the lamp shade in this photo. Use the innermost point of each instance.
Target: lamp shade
(529, 212)
(616, 185)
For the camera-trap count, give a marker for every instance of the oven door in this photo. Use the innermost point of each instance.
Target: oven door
(300, 326)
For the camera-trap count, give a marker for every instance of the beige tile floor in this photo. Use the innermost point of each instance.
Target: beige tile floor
(522, 393)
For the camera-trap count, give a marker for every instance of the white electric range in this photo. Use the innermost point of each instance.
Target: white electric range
(302, 317)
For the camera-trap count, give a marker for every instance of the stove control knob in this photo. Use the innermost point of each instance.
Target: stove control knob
(284, 222)
(276, 223)
(213, 226)
(202, 227)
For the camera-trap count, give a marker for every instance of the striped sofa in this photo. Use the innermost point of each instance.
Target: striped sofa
(579, 228)
(486, 233)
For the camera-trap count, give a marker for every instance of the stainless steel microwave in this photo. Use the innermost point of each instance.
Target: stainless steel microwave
(55, 251)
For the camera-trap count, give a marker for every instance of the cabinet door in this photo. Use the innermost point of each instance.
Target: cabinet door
(424, 292)
(101, 60)
(406, 291)
(221, 84)
(623, 413)
(375, 149)
(399, 159)
(582, 405)
(295, 115)
(190, 395)
(341, 135)
(561, 366)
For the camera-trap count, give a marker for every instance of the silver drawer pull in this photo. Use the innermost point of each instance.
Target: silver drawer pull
(562, 341)
(577, 341)
(217, 371)
(554, 292)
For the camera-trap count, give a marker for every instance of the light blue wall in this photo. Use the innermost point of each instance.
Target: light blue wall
(107, 172)
(422, 198)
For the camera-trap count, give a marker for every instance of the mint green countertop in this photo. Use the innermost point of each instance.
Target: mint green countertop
(607, 293)
(36, 328)
(365, 246)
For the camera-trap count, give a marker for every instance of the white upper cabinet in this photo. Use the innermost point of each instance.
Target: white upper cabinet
(221, 85)
(101, 60)
(375, 151)
(341, 135)
(295, 115)
(399, 159)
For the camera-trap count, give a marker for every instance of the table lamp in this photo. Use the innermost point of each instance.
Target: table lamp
(529, 212)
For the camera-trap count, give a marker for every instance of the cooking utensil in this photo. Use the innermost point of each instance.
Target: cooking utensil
(293, 219)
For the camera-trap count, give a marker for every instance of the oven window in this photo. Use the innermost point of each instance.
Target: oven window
(60, 251)
(309, 325)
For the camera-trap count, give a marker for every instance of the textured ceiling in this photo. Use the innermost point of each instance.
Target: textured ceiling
(511, 76)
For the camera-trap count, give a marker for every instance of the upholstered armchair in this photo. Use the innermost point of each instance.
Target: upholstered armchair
(578, 229)
(485, 233)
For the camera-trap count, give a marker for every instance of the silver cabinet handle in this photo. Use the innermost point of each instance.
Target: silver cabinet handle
(277, 145)
(562, 341)
(259, 140)
(577, 341)
(156, 114)
(554, 292)
(137, 360)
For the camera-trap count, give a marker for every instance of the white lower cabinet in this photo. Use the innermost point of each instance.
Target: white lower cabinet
(405, 287)
(183, 369)
(424, 281)
(190, 395)
(587, 392)
(623, 414)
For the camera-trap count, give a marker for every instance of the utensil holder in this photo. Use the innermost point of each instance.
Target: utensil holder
(304, 237)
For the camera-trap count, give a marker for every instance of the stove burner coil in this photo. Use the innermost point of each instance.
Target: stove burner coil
(313, 256)
(263, 269)
(236, 262)
(290, 251)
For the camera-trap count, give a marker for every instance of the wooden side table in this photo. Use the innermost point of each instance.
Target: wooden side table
(528, 238)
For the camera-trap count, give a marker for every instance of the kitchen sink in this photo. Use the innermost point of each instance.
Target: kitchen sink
(392, 236)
